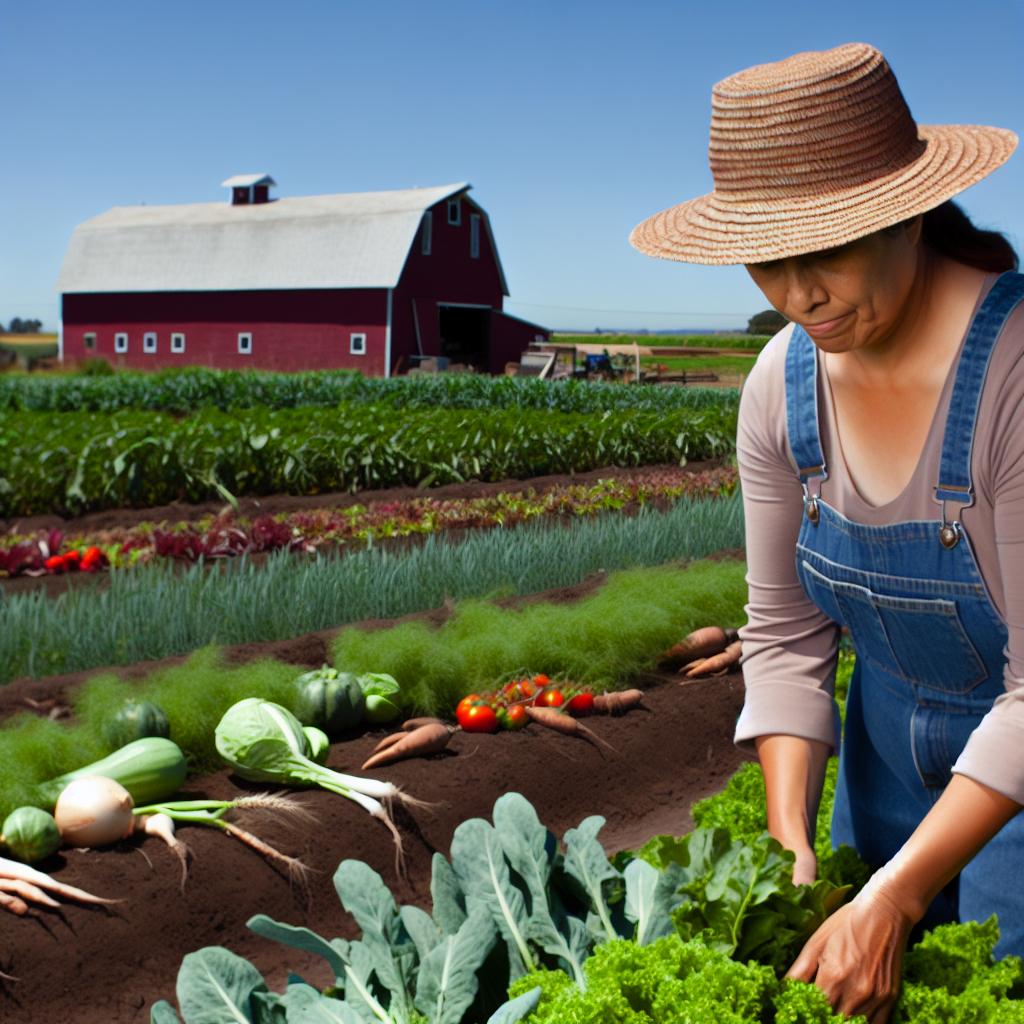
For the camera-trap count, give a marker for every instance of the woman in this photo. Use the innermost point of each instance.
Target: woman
(882, 468)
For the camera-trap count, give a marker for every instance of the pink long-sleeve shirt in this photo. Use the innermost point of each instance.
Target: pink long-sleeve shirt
(789, 645)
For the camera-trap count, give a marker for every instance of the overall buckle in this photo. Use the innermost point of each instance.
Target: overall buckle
(811, 500)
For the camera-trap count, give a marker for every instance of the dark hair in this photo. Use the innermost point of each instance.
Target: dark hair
(949, 231)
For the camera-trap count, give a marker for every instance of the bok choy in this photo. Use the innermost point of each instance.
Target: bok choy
(264, 742)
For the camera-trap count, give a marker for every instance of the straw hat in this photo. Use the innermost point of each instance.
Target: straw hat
(814, 151)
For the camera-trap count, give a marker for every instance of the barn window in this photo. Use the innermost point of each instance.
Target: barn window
(178, 343)
(149, 342)
(428, 224)
(245, 344)
(357, 344)
(90, 341)
(455, 211)
(474, 236)
(121, 342)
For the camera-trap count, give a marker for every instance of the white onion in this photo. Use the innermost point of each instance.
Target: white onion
(94, 811)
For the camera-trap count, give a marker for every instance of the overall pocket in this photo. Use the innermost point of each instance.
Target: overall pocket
(920, 640)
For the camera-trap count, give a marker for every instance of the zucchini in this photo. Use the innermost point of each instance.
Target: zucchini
(151, 769)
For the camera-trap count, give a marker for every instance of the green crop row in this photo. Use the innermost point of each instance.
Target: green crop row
(606, 638)
(155, 610)
(73, 462)
(186, 390)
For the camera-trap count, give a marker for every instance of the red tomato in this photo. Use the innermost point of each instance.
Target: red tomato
(527, 688)
(480, 718)
(582, 704)
(55, 563)
(541, 680)
(515, 717)
(549, 698)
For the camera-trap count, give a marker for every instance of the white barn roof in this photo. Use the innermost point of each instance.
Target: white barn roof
(353, 240)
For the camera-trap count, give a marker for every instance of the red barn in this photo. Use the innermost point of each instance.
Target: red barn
(370, 281)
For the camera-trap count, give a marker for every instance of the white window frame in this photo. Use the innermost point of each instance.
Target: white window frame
(357, 343)
(474, 236)
(427, 235)
(178, 342)
(149, 343)
(89, 341)
(121, 342)
(455, 206)
(245, 343)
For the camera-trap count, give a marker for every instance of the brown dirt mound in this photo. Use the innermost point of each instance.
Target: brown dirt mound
(98, 967)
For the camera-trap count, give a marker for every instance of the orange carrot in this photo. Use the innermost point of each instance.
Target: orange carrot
(415, 723)
(562, 723)
(427, 739)
(618, 703)
(701, 643)
(718, 664)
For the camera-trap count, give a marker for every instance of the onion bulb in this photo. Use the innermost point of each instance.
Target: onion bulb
(94, 811)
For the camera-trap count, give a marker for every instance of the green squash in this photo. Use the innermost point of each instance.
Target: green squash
(135, 720)
(330, 700)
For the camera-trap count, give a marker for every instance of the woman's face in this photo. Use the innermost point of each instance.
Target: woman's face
(850, 297)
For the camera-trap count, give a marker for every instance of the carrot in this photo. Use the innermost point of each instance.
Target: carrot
(718, 664)
(427, 739)
(700, 643)
(562, 723)
(415, 723)
(618, 703)
(389, 741)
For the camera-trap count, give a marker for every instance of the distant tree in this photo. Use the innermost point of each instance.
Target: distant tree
(767, 322)
(19, 326)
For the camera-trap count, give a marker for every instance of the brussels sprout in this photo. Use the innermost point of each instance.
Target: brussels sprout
(30, 834)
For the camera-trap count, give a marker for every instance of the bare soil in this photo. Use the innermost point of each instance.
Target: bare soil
(96, 966)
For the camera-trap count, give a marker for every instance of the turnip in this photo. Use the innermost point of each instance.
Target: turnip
(94, 811)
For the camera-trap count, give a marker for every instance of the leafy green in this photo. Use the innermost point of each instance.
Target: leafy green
(740, 899)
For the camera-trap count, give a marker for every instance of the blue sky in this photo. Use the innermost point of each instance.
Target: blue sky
(572, 120)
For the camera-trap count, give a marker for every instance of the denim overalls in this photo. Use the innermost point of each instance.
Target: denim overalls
(929, 642)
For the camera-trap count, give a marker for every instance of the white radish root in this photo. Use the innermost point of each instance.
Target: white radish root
(162, 826)
(20, 883)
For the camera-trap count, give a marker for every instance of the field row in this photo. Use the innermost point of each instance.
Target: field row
(157, 610)
(229, 535)
(184, 391)
(73, 462)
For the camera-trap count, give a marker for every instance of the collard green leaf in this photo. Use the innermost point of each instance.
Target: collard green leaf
(650, 899)
(516, 1009)
(447, 981)
(365, 896)
(298, 937)
(359, 984)
(420, 927)
(446, 893)
(215, 986)
(480, 866)
(305, 1005)
(163, 1013)
(586, 861)
(529, 848)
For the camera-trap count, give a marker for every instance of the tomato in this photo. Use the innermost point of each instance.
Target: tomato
(541, 680)
(480, 718)
(527, 688)
(55, 563)
(515, 717)
(581, 704)
(72, 557)
(549, 698)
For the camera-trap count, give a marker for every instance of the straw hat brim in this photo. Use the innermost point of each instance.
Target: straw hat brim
(716, 230)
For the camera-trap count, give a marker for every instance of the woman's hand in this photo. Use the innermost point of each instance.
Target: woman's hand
(856, 956)
(805, 867)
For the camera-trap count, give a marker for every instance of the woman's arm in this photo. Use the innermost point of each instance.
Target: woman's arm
(856, 956)
(794, 773)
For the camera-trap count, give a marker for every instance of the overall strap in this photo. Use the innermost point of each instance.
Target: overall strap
(802, 414)
(955, 483)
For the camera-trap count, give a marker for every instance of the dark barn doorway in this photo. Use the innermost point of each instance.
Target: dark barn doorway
(465, 335)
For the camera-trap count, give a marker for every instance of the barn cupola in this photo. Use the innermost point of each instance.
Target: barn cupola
(249, 189)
